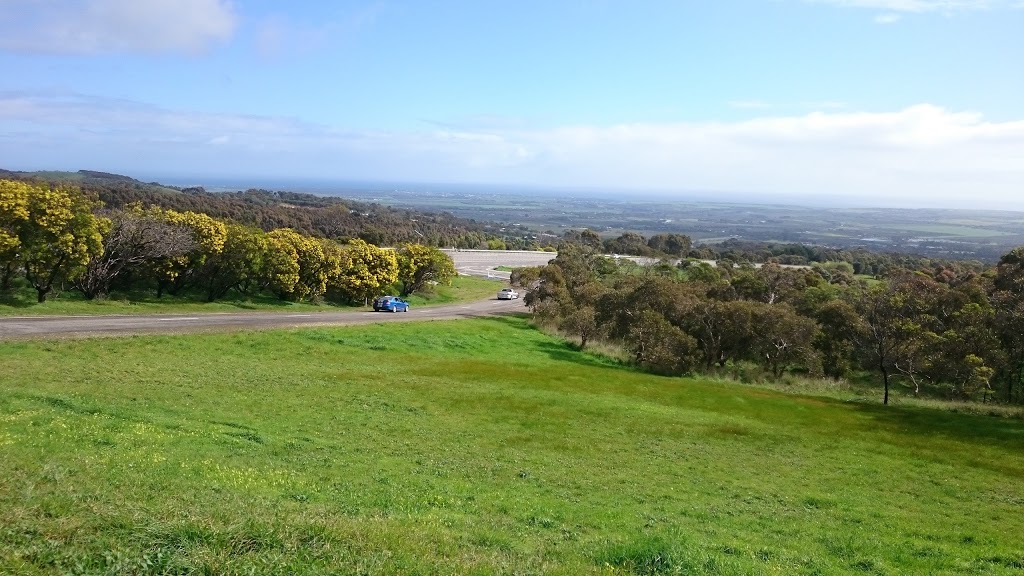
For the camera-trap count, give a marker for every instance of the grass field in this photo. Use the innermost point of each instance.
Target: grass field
(23, 302)
(479, 446)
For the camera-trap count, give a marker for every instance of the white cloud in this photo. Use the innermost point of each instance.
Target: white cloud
(111, 26)
(921, 155)
(888, 18)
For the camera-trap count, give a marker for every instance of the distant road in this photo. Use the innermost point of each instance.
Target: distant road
(77, 326)
(483, 262)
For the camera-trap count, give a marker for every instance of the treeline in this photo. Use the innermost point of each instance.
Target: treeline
(60, 236)
(952, 333)
(320, 216)
(737, 252)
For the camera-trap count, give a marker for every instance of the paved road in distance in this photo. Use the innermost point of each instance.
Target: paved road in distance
(27, 327)
(483, 262)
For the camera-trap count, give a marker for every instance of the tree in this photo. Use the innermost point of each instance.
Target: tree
(14, 213)
(280, 270)
(1008, 301)
(672, 244)
(208, 235)
(590, 239)
(420, 265)
(136, 238)
(241, 264)
(628, 243)
(313, 272)
(782, 337)
(723, 330)
(895, 328)
(770, 283)
(644, 315)
(700, 271)
(525, 277)
(581, 321)
(659, 346)
(59, 237)
(967, 350)
(839, 326)
(365, 271)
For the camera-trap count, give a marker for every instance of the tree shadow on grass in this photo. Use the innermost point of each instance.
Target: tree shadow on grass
(567, 352)
(16, 302)
(516, 320)
(556, 350)
(915, 421)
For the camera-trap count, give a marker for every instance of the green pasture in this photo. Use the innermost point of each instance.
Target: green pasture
(23, 301)
(473, 447)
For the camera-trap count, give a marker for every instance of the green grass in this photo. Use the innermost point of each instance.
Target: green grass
(463, 289)
(479, 447)
(23, 302)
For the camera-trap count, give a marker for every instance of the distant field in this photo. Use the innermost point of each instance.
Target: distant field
(478, 447)
(953, 230)
(23, 302)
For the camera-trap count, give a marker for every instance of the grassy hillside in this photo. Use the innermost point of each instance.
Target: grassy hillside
(473, 447)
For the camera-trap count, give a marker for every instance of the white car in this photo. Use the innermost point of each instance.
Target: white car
(507, 294)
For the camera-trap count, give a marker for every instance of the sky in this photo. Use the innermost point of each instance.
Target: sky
(887, 102)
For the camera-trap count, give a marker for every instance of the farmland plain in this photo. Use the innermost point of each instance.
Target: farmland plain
(946, 233)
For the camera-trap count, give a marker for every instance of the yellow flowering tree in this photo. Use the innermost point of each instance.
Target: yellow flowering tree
(209, 236)
(365, 271)
(280, 265)
(419, 265)
(309, 254)
(240, 265)
(13, 215)
(59, 237)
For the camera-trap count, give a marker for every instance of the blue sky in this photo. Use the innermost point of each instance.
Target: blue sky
(914, 102)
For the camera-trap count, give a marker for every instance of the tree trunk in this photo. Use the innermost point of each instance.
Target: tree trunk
(41, 294)
(885, 379)
(6, 276)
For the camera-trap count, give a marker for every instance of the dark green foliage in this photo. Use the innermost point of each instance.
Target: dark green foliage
(943, 331)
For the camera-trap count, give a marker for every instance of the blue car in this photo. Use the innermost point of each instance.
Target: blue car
(390, 304)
